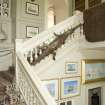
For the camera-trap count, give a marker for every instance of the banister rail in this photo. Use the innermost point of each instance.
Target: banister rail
(33, 91)
(48, 35)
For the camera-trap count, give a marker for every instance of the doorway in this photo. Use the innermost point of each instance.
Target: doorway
(94, 96)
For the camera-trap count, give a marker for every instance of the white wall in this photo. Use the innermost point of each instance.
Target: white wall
(57, 71)
(5, 61)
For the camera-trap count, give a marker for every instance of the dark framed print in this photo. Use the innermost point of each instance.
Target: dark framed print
(69, 102)
(32, 8)
(66, 102)
(31, 31)
(62, 103)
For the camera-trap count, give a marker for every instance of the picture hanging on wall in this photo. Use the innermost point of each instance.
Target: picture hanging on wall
(62, 103)
(70, 87)
(93, 70)
(32, 8)
(52, 86)
(31, 31)
(4, 8)
(71, 67)
(66, 102)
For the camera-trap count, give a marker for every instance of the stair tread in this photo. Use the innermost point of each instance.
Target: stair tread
(7, 76)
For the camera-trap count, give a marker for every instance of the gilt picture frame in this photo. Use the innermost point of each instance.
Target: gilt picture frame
(53, 87)
(32, 8)
(70, 87)
(93, 70)
(71, 67)
(31, 31)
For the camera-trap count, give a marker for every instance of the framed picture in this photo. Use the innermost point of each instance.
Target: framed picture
(62, 103)
(31, 31)
(70, 87)
(71, 67)
(52, 86)
(93, 70)
(66, 103)
(32, 8)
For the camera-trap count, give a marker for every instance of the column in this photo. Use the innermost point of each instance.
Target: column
(70, 6)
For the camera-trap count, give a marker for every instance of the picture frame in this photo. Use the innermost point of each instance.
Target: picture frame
(93, 70)
(53, 87)
(66, 102)
(62, 103)
(32, 8)
(70, 87)
(69, 102)
(31, 31)
(71, 67)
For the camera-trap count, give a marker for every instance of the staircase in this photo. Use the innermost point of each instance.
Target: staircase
(6, 79)
(8, 93)
(34, 52)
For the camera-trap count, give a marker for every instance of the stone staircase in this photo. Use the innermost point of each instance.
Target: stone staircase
(8, 93)
(6, 79)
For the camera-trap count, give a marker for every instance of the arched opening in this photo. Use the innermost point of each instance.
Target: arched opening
(51, 17)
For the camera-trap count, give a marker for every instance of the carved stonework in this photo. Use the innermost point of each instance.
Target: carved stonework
(4, 8)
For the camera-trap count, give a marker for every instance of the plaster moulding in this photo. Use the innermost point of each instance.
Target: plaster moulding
(3, 35)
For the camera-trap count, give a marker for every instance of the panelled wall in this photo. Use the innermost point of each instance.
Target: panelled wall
(25, 18)
(13, 22)
(6, 45)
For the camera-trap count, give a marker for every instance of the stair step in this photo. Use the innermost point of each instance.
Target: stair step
(7, 75)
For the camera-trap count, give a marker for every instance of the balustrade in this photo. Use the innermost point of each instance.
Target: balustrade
(40, 52)
(29, 89)
(30, 53)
